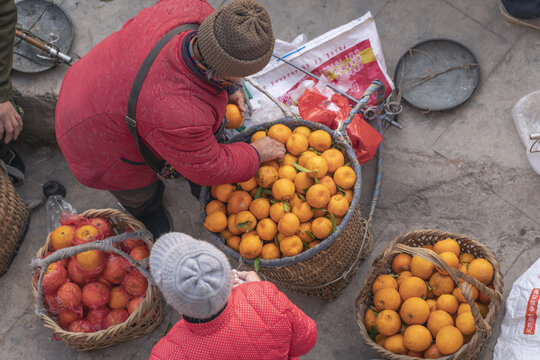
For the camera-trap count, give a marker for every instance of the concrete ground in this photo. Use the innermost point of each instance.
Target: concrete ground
(462, 170)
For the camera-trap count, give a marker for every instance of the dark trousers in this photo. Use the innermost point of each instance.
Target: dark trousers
(523, 9)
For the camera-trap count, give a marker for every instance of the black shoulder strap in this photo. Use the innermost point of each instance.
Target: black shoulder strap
(131, 120)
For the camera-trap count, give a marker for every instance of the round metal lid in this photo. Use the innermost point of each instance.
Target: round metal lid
(437, 74)
(50, 22)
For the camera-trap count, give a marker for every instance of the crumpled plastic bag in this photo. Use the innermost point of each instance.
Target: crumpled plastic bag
(519, 338)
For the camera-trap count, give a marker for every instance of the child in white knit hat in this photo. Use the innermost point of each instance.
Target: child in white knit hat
(223, 318)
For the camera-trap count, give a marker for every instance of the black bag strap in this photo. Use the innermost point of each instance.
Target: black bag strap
(131, 120)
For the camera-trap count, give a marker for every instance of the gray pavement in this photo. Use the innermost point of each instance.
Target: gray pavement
(463, 170)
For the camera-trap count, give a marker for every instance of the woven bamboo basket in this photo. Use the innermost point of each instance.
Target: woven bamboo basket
(141, 322)
(410, 243)
(14, 219)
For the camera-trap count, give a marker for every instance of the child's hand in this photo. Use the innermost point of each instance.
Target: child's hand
(248, 276)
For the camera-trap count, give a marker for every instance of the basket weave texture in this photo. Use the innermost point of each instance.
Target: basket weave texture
(14, 218)
(141, 322)
(410, 243)
(326, 269)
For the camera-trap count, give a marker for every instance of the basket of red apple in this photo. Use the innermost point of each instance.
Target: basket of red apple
(91, 281)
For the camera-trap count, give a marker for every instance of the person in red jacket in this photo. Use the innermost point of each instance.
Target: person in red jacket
(221, 317)
(179, 107)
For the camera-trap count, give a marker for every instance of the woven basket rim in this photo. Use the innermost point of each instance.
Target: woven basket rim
(477, 339)
(244, 136)
(152, 291)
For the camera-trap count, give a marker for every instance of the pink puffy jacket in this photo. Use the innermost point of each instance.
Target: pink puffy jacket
(177, 112)
(259, 322)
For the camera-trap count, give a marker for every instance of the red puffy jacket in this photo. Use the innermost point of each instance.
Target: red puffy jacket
(259, 322)
(177, 112)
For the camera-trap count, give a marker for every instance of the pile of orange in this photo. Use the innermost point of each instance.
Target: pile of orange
(290, 205)
(94, 289)
(419, 311)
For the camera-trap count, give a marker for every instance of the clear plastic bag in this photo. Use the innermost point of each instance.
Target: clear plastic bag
(526, 115)
(56, 204)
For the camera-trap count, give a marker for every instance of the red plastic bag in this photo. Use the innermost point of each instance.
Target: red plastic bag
(313, 106)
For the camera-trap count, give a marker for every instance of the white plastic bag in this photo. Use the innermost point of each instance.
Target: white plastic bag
(526, 114)
(519, 338)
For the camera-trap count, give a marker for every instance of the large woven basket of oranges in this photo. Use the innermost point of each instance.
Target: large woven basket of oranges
(298, 219)
(431, 294)
(92, 286)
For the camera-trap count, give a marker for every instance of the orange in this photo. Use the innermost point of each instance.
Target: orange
(421, 268)
(266, 176)
(349, 194)
(303, 211)
(283, 189)
(302, 182)
(238, 201)
(380, 339)
(252, 232)
(90, 260)
(231, 225)
(118, 298)
(216, 221)
(449, 339)
(414, 310)
(459, 295)
(338, 205)
(466, 258)
(417, 338)
(257, 136)
(294, 200)
(304, 130)
(447, 303)
(245, 221)
(317, 165)
(215, 205)
(270, 251)
(277, 211)
(271, 163)
(314, 243)
(234, 242)
(297, 143)
(437, 320)
(61, 237)
(321, 227)
(140, 252)
(280, 133)
(304, 157)
(463, 308)
(481, 270)
(291, 245)
(329, 183)
(384, 281)
(451, 259)
(287, 172)
(234, 116)
(483, 309)
(483, 298)
(288, 224)
(85, 233)
(344, 177)
(428, 246)
(260, 208)
(402, 262)
(334, 158)
(432, 352)
(388, 322)
(432, 304)
(289, 159)
(267, 229)
(395, 344)
(303, 234)
(465, 323)
(402, 275)
(224, 191)
(320, 140)
(248, 185)
(441, 284)
(412, 287)
(225, 234)
(319, 212)
(387, 299)
(250, 246)
(447, 245)
(318, 196)
(464, 268)
(369, 319)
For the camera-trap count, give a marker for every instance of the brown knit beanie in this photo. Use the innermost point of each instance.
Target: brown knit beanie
(237, 39)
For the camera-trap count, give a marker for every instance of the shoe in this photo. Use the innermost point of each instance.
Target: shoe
(13, 164)
(532, 23)
(158, 222)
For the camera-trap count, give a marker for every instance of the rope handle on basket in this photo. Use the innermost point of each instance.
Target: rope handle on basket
(103, 245)
(455, 274)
